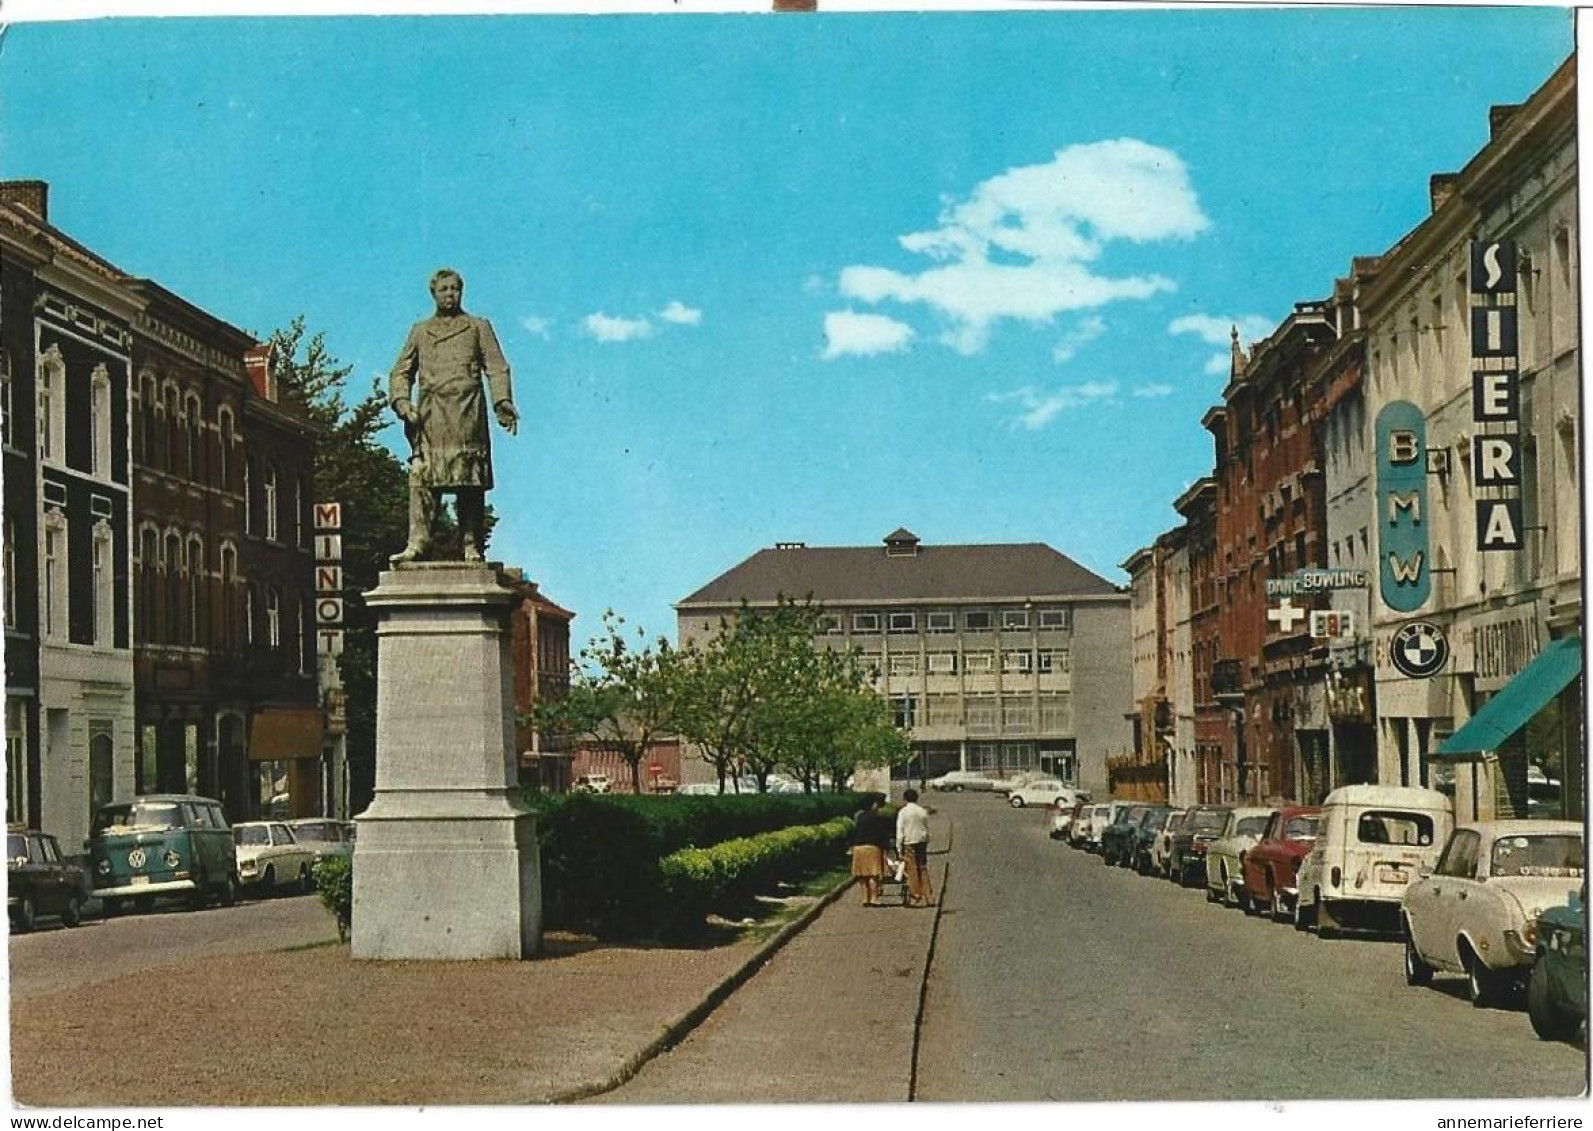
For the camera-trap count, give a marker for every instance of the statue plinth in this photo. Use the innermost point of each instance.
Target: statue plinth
(446, 862)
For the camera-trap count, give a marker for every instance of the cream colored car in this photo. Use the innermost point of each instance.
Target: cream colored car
(1476, 913)
(1225, 858)
(271, 858)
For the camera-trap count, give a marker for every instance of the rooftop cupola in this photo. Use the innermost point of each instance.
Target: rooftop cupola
(901, 543)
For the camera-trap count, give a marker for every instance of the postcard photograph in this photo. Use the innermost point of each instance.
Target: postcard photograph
(794, 555)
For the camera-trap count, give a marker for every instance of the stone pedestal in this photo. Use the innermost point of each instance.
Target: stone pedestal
(446, 862)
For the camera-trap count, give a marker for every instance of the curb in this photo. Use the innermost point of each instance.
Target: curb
(677, 1030)
(923, 985)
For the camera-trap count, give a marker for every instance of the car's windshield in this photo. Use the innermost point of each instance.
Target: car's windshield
(1301, 828)
(251, 836)
(1548, 856)
(1252, 826)
(1207, 820)
(139, 815)
(16, 847)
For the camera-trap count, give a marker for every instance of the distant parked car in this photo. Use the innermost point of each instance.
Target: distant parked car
(592, 783)
(1372, 841)
(1144, 836)
(1065, 814)
(1162, 844)
(958, 780)
(162, 844)
(1083, 822)
(1187, 850)
(40, 882)
(1117, 841)
(1557, 989)
(1225, 855)
(1271, 868)
(1104, 816)
(1477, 913)
(325, 837)
(271, 858)
(1041, 791)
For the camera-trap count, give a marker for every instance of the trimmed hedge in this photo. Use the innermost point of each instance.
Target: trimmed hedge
(601, 853)
(725, 877)
(334, 881)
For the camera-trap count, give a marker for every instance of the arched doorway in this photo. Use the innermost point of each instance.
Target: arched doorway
(102, 771)
(232, 768)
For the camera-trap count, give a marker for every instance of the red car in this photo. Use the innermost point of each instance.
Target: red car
(1270, 868)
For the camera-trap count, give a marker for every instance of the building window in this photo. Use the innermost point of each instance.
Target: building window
(100, 422)
(104, 587)
(174, 589)
(1054, 714)
(903, 711)
(1017, 661)
(144, 609)
(174, 428)
(229, 581)
(830, 623)
(248, 615)
(6, 391)
(1049, 660)
(298, 511)
(977, 621)
(1014, 618)
(979, 663)
(903, 622)
(1053, 618)
(904, 663)
(271, 503)
(10, 567)
(1017, 714)
(942, 663)
(147, 402)
(248, 499)
(865, 622)
(273, 619)
(982, 715)
(52, 406)
(224, 448)
(196, 571)
(196, 439)
(16, 760)
(940, 622)
(54, 595)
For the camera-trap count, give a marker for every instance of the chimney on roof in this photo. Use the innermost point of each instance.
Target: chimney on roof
(790, 545)
(1440, 187)
(901, 543)
(33, 196)
(1499, 117)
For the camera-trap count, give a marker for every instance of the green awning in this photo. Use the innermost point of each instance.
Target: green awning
(1550, 672)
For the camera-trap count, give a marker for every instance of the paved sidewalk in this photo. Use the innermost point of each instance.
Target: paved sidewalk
(317, 1028)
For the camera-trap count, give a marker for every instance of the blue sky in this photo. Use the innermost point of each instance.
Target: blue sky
(780, 278)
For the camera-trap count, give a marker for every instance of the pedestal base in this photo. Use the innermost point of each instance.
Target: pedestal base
(447, 887)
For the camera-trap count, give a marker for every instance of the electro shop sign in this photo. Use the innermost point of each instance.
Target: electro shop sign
(1404, 573)
(329, 578)
(1495, 396)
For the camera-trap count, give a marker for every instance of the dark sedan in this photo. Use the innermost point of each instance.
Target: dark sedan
(41, 882)
(1117, 841)
(1144, 837)
(1187, 858)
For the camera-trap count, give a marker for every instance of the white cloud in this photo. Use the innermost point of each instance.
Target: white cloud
(1152, 391)
(1081, 336)
(605, 328)
(540, 327)
(681, 314)
(1219, 365)
(1040, 408)
(848, 332)
(1218, 331)
(1047, 224)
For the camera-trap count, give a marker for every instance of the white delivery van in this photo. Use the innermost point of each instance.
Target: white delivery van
(1371, 844)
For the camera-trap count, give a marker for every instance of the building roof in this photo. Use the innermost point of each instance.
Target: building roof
(1021, 571)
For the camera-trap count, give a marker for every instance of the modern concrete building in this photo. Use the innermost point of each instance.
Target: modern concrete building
(998, 657)
(1472, 336)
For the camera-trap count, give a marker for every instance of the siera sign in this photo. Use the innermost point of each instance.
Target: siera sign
(1495, 396)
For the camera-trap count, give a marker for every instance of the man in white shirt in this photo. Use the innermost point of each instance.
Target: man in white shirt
(912, 838)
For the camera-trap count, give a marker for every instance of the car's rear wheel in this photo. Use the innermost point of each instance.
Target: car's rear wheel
(1485, 987)
(110, 908)
(1417, 971)
(1548, 1021)
(1280, 914)
(1015, 801)
(72, 913)
(268, 882)
(22, 919)
(1302, 918)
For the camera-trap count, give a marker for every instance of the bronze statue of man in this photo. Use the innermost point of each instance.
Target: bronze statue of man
(444, 359)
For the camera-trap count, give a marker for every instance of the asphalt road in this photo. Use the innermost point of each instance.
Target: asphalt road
(1057, 978)
(53, 958)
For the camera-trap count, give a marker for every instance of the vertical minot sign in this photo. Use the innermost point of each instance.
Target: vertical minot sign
(329, 578)
(1404, 573)
(1495, 396)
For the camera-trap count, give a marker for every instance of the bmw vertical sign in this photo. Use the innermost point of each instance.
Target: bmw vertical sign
(1404, 572)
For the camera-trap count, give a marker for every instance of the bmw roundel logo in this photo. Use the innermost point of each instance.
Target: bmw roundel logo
(1419, 649)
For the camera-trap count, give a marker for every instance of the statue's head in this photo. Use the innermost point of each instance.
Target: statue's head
(448, 289)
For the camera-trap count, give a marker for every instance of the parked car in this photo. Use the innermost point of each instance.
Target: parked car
(1187, 849)
(271, 858)
(592, 783)
(1271, 869)
(1103, 816)
(1225, 855)
(1144, 835)
(1162, 843)
(40, 881)
(325, 837)
(1371, 843)
(1557, 988)
(1117, 841)
(1477, 912)
(1041, 791)
(1079, 832)
(162, 844)
(958, 780)
(1065, 814)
